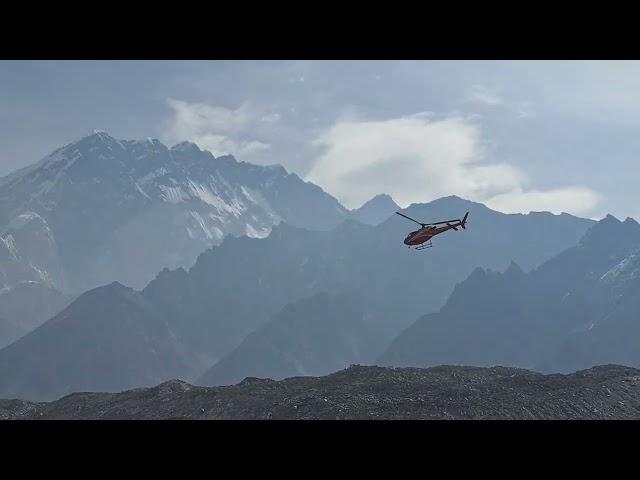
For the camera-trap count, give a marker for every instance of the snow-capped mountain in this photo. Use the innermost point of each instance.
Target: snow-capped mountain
(102, 209)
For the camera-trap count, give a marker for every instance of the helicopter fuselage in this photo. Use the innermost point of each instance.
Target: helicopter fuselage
(424, 235)
(422, 238)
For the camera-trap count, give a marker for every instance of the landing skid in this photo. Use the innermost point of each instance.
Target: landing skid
(426, 244)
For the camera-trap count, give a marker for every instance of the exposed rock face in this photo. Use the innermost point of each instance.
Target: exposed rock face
(606, 392)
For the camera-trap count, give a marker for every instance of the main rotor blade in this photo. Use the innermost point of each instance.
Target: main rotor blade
(409, 218)
(446, 221)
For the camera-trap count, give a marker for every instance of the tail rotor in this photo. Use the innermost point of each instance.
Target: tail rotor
(463, 223)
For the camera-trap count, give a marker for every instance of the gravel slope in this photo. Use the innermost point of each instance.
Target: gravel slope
(367, 392)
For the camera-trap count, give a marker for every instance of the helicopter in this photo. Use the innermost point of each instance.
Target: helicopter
(421, 239)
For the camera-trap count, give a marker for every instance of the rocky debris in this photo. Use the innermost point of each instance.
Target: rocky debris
(15, 409)
(368, 392)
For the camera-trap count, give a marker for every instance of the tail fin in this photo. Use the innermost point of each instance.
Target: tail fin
(464, 220)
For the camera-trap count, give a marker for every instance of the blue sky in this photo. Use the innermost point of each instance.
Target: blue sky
(518, 136)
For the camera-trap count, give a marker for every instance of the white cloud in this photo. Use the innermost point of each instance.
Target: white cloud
(418, 158)
(217, 129)
(576, 200)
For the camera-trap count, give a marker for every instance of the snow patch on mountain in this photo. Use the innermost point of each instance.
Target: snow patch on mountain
(206, 195)
(10, 244)
(628, 269)
(173, 194)
(253, 232)
(144, 206)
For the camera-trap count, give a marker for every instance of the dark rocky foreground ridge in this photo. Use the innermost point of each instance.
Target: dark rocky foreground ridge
(367, 392)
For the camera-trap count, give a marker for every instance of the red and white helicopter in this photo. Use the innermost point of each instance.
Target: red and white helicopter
(422, 238)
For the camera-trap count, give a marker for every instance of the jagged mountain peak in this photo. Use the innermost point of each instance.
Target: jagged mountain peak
(513, 269)
(612, 234)
(454, 199)
(380, 199)
(450, 205)
(96, 138)
(477, 273)
(609, 219)
(185, 147)
(110, 291)
(375, 210)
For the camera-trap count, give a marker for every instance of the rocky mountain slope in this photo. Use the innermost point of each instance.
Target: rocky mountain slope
(108, 339)
(314, 336)
(28, 252)
(612, 328)
(577, 310)
(102, 209)
(445, 392)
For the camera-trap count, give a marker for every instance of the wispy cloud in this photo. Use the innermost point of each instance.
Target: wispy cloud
(419, 157)
(576, 200)
(488, 97)
(217, 129)
(482, 94)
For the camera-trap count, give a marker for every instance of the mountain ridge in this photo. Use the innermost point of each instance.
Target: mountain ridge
(526, 319)
(136, 206)
(205, 311)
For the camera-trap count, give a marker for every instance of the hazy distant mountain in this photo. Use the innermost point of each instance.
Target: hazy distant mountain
(102, 209)
(108, 339)
(314, 336)
(25, 307)
(577, 310)
(235, 288)
(376, 210)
